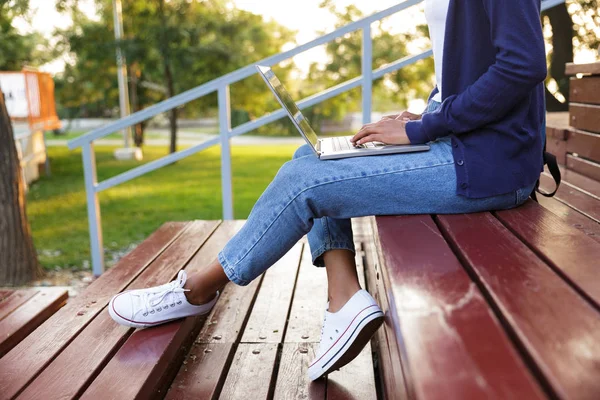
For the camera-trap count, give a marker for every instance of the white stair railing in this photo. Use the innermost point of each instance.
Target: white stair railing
(221, 86)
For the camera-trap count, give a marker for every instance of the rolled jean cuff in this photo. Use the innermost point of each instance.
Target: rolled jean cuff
(317, 253)
(230, 272)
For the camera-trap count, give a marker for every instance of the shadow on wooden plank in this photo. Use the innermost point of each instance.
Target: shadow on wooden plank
(292, 377)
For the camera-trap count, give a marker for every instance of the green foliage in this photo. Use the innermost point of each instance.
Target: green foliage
(344, 63)
(18, 50)
(200, 41)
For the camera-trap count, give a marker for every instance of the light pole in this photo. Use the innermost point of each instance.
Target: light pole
(127, 152)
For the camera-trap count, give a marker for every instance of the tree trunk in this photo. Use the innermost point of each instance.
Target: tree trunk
(562, 53)
(138, 131)
(173, 112)
(18, 259)
(164, 50)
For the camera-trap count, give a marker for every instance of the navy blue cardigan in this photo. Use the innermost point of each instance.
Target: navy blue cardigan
(493, 102)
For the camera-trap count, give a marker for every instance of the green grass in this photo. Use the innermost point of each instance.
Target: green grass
(189, 189)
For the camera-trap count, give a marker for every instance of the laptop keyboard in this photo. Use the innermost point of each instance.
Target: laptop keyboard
(342, 143)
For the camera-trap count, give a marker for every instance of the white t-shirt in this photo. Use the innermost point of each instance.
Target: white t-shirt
(436, 12)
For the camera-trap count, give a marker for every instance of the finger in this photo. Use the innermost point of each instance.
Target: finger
(364, 132)
(394, 116)
(373, 137)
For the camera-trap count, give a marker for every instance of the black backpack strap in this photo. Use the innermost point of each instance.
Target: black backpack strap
(550, 161)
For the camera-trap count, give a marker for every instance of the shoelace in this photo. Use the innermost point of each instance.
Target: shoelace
(152, 299)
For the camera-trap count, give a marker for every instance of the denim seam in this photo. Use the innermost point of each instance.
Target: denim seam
(331, 246)
(230, 272)
(327, 183)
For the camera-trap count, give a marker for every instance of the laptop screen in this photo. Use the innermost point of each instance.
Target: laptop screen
(286, 101)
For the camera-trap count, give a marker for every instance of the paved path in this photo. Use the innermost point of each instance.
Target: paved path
(190, 139)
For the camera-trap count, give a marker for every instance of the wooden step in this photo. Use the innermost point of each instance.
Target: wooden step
(24, 310)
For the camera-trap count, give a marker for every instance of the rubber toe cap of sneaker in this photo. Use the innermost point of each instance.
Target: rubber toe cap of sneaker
(121, 305)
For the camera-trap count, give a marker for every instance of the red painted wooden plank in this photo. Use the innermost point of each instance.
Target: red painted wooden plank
(391, 370)
(251, 371)
(19, 367)
(203, 373)
(558, 147)
(586, 145)
(292, 376)
(440, 318)
(22, 321)
(268, 318)
(574, 255)
(308, 306)
(98, 341)
(585, 90)
(558, 328)
(589, 68)
(14, 300)
(573, 197)
(5, 293)
(572, 217)
(582, 182)
(584, 167)
(137, 370)
(227, 318)
(586, 117)
(151, 372)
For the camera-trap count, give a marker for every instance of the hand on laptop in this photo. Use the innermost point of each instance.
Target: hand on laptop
(404, 116)
(388, 131)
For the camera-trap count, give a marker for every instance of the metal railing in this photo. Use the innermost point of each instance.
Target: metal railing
(221, 86)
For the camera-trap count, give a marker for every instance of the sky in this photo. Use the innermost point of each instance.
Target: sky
(305, 17)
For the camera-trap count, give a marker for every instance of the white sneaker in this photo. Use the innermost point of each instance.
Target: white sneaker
(345, 333)
(153, 306)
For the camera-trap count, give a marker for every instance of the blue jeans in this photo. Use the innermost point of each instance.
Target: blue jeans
(318, 198)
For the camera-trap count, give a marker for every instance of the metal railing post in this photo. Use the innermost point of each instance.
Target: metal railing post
(367, 73)
(225, 129)
(93, 208)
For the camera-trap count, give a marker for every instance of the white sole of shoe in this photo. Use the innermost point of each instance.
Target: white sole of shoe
(349, 345)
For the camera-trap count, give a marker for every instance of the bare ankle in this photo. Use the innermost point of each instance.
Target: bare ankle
(197, 299)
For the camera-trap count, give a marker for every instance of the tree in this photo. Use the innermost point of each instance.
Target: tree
(18, 258)
(414, 81)
(575, 26)
(175, 44)
(18, 50)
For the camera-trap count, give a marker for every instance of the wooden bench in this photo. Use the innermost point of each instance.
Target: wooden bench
(23, 310)
(502, 304)
(248, 347)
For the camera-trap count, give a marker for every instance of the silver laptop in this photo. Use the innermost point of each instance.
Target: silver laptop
(333, 147)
